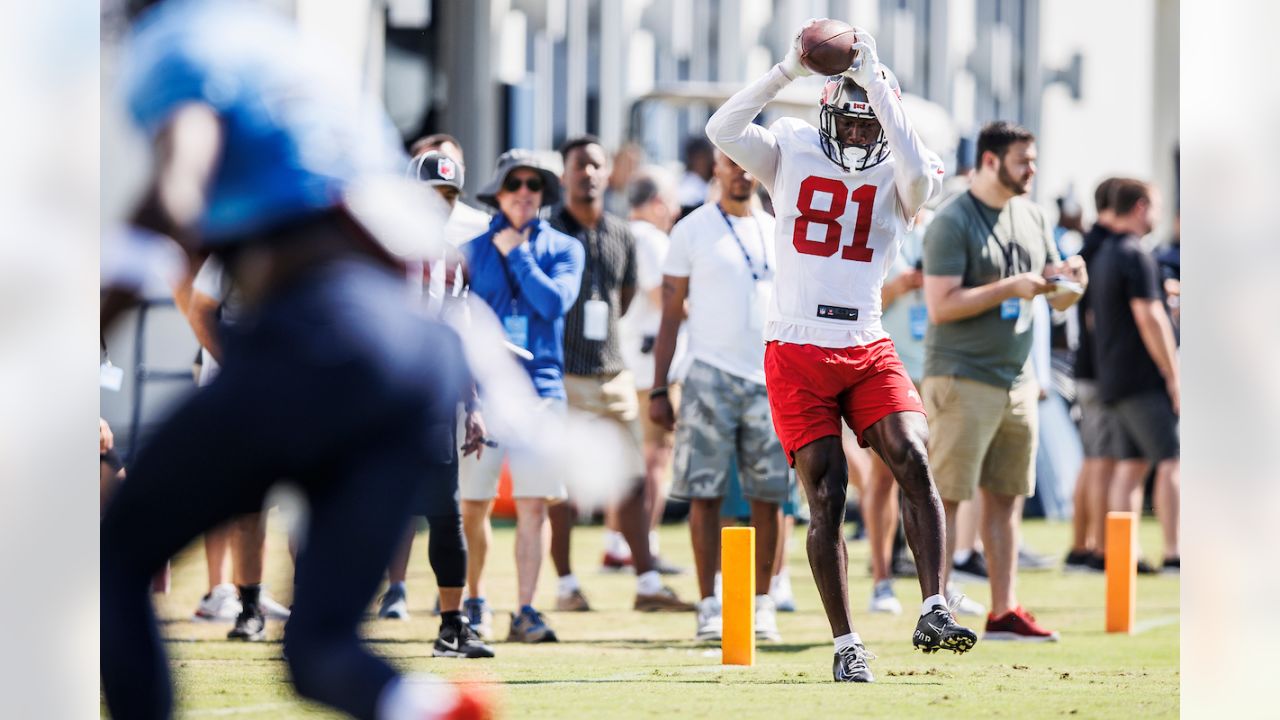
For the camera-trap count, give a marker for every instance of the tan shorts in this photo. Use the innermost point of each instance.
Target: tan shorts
(653, 433)
(611, 397)
(981, 435)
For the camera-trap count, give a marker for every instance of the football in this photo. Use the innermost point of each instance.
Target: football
(826, 47)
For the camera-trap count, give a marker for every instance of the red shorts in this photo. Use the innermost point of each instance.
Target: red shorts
(811, 388)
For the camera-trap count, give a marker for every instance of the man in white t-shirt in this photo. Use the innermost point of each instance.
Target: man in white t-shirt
(722, 260)
(844, 194)
(654, 208)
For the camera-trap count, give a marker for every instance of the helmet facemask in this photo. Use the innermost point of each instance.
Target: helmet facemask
(841, 97)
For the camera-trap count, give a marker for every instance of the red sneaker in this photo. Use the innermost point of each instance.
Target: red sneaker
(473, 702)
(615, 563)
(1017, 624)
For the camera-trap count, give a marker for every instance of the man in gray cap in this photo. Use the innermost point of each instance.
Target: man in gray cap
(529, 274)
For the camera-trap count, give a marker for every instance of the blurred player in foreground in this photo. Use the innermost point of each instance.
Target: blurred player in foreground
(844, 195)
(330, 379)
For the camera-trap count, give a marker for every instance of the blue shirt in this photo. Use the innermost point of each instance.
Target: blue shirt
(295, 129)
(539, 280)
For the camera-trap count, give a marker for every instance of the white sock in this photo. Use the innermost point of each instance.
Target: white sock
(844, 642)
(926, 607)
(719, 594)
(780, 584)
(415, 697)
(649, 583)
(962, 556)
(567, 584)
(653, 543)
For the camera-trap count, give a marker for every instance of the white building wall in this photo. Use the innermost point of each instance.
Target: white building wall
(1108, 131)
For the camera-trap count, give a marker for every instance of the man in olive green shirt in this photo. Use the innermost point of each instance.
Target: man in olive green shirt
(988, 253)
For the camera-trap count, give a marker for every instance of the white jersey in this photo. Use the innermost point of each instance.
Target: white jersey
(837, 232)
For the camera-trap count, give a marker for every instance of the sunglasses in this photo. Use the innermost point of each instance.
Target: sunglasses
(513, 184)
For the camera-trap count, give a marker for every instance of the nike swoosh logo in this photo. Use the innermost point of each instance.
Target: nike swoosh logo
(935, 628)
(451, 645)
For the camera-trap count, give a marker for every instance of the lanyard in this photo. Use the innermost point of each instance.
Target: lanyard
(1011, 251)
(764, 250)
(512, 285)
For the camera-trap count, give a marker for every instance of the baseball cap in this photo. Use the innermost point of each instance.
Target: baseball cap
(436, 168)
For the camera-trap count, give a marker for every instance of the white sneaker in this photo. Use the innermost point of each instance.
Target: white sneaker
(222, 604)
(962, 604)
(272, 609)
(766, 619)
(710, 621)
(883, 600)
(780, 591)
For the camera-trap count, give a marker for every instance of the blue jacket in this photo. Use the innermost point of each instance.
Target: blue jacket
(546, 274)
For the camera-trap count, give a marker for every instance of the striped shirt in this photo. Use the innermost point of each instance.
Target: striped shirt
(610, 267)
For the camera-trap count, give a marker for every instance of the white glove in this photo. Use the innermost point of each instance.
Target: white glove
(791, 64)
(865, 67)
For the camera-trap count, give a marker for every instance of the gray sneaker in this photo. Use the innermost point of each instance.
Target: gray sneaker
(527, 626)
(479, 616)
(1029, 559)
(883, 600)
(394, 605)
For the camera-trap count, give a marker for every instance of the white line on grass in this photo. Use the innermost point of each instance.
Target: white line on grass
(1154, 623)
(243, 710)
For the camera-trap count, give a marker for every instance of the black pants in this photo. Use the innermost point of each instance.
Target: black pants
(438, 502)
(335, 383)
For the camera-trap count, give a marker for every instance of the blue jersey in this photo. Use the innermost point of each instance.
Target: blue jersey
(296, 131)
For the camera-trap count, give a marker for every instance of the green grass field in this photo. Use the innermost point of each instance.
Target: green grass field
(617, 663)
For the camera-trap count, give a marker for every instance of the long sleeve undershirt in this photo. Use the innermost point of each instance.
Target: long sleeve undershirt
(917, 170)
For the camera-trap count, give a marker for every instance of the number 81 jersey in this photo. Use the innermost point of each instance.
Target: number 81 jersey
(837, 234)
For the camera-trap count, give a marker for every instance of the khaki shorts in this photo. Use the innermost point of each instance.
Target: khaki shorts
(530, 476)
(610, 397)
(653, 433)
(980, 434)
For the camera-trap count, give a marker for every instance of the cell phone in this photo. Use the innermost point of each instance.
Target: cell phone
(1064, 284)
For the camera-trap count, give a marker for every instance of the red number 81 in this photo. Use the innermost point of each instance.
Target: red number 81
(865, 196)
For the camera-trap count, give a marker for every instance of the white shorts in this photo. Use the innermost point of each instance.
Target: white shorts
(530, 476)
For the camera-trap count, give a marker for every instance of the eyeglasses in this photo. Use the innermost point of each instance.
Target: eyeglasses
(513, 184)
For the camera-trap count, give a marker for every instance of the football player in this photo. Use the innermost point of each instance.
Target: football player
(844, 193)
(331, 379)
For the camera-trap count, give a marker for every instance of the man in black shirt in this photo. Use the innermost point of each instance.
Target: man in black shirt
(596, 379)
(1098, 425)
(1136, 358)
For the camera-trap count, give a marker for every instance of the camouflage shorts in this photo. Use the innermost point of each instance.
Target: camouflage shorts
(723, 416)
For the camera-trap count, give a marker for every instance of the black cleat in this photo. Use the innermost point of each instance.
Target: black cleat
(938, 630)
(851, 665)
(251, 624)
(458, 640)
